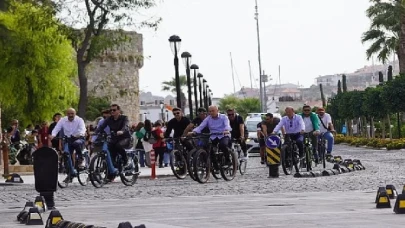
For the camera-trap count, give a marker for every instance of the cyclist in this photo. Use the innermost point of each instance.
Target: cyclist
(311, 121)
(327, 128)
(119, 124)
(74, 128)
(239, 130)
(178, 124)
(217, 123)
(294, 126)
(202, 114)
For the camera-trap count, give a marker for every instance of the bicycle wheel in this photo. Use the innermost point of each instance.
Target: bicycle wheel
(228, 172)
(129, 177)
(98, 168)
(178, 164)
(83, 174)
(202, 166)
(242, 166)
(64, 177)
(308, 158)
(322, 156)
(190, 166)
(286, 160)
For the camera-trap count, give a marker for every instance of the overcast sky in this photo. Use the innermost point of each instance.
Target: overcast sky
(307, 38)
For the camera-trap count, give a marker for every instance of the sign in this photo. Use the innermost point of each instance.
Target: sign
(273, 141)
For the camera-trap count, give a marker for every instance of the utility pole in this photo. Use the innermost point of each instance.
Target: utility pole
(250, 74)
(233, 76)
(259, 57)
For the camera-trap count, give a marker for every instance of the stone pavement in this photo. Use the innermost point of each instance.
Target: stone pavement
(251, 200)
(145, 173)
(322, 209)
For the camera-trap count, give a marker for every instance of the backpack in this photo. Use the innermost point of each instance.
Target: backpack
(151, 137)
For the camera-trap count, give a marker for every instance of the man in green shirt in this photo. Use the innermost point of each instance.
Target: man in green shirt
(312, 127)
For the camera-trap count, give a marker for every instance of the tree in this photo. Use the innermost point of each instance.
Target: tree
(339, 90)
(344, 83)
(242, 106)
(387, 18)
(36, 70)
(95, 106)
(393, 94)
(322, 96)
(171, 86)
(98, 16)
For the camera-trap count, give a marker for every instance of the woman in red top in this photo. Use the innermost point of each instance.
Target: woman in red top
(43, 135)
(159, 146)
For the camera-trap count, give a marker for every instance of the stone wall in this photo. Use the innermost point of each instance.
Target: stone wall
(116, 75)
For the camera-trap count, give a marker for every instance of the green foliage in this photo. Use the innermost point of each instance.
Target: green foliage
(393, 94)
(344, 83)
(95, 106)
(339, 90)
(242, 106)
(373, 105)
(384, 28)
(36, 70)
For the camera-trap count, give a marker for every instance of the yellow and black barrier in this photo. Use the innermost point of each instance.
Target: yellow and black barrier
(273, 156)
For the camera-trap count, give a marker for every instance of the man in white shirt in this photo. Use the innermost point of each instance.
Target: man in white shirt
(326, 127)
(75, 129)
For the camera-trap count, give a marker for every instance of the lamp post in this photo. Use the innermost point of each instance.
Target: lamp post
(186, 56)
(175, 42)
(167, 115)
(161, 109)
(200, 88)
(195, 68)
(210, 98)
(204, 89)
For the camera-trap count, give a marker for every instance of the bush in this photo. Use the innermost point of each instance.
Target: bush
(394, 144)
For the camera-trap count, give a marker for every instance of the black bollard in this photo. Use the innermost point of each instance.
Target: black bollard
(45, 161)
(274, 171)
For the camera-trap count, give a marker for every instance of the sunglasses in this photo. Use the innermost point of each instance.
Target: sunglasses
(176, 113)
(231, 114)
(113, 110)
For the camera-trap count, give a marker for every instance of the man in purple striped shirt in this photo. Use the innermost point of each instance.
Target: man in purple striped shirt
(219, 129)
(294, 126)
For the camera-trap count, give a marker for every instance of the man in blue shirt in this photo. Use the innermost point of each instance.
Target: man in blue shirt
(217, 123)
(294, 126)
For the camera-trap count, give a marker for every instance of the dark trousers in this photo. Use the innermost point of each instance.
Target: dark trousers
(118, 147)
(223, 144)
(160, 151)
(76, 144)
(299, 140)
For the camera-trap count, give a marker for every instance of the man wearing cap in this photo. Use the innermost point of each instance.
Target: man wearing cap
(202, 113)
(326, 127)
(178, 124)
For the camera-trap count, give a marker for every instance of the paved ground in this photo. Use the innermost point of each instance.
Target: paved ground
(252, 200)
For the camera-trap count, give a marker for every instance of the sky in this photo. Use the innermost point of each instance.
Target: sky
(306, 38)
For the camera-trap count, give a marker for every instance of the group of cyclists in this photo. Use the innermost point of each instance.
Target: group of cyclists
(227, 128)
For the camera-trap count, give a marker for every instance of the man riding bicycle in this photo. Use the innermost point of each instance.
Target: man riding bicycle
(217, 123)
(311, 127)
(294, 126)
(239, 130)
(74, 129)
(119, 124)
(327, 128)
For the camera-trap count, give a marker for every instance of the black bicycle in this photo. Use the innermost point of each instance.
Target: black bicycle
(198, 143)
(290, 155)
(178, 156)
(209, 160)
(242, 161)
(309, 156)
(102, 167)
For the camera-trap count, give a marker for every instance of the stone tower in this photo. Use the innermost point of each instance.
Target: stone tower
(116, 75)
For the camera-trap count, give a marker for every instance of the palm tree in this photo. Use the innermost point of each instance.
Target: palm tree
(385, 29)
(171, 86)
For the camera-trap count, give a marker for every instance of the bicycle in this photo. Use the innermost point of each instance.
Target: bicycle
(242, 162)
(69, 165)
(212, 159)
(289, 155)
(102, 163)
(308, 151)
(198, 143)
(178, 156)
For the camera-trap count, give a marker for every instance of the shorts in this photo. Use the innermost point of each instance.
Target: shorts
(261, 142)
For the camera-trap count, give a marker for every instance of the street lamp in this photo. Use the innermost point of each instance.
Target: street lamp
(204, 86)
(186, 56)
(167, 115)
(210, 98)
(175, 43)
(195, 68)
(161, 109)
(200, 88)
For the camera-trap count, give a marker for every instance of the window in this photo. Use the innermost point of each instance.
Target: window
(171, 102)
(142, 102)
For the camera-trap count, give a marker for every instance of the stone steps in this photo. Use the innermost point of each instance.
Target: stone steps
(20, 169)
